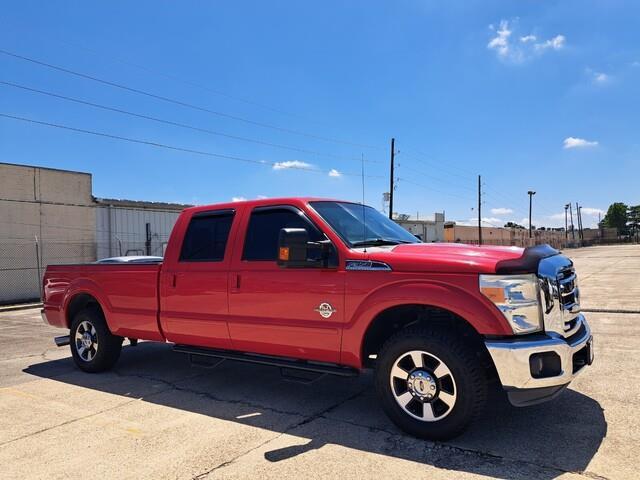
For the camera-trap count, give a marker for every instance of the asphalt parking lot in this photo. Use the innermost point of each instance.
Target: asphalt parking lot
(156, 417)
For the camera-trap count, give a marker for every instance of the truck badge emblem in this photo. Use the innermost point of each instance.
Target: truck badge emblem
(325, 310)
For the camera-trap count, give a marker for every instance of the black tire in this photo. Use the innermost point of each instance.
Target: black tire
(466, 380)
(106, 347)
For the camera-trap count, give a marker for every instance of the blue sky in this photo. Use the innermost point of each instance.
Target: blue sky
(541, 95)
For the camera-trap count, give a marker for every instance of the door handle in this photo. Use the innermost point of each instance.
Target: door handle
(235, 283)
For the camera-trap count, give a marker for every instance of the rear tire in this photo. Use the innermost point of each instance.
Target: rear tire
(93, 347)
(430, 383)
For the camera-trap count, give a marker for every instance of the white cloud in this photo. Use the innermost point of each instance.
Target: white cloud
(557, 216)
(600, 78)
(525, 48)
(334, 173)
(486, 221)
(238, 199)
(291, 164)
(574, 142)
(501, 211)
(591, 211)
(261, 197)
(555, 43)
(500, 43)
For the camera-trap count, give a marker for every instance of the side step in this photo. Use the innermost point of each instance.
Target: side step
(281, 362)
(62, 341)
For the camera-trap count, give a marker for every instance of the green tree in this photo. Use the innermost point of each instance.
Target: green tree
(633, 220)
(513, 225)
(616, 217)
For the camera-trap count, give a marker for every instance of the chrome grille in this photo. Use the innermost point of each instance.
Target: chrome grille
(560, 294)
(569, 299)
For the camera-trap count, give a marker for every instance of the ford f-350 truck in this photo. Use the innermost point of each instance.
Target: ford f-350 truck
(333, 287)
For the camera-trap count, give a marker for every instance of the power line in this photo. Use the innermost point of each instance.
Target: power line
(176, 124)
(174, 148)
(175, 78)
(411, 182)
(184, 104)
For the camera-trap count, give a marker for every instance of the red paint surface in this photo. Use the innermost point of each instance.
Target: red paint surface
(259, 307)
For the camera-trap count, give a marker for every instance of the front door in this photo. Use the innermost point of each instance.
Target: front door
(293, 312)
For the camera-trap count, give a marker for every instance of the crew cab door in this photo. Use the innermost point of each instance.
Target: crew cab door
(293, 312)
(194, 281)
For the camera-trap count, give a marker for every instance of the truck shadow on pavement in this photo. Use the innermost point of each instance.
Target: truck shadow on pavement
(542, 441)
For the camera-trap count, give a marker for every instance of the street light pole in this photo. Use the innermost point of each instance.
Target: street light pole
(531, 193)
(566, 222)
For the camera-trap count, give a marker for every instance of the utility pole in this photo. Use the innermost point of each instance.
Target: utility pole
(391, 181)
(579, 213)
(573, 231)
(531, 193)
(566, 222)
(479, 210)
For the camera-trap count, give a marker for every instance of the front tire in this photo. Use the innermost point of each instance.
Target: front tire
(430, 383)
(93, 347)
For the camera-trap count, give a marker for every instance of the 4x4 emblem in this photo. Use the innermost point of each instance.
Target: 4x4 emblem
(325, 310)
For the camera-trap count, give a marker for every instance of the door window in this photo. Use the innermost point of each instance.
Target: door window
(206, 237)
(261, 243)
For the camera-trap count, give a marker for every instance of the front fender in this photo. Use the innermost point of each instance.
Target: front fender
(464, 300)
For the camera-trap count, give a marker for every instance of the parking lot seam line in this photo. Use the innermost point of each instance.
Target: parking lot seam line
(286, 431)
(69, 422)
(610, 310)
(436, 446)
(175, 386)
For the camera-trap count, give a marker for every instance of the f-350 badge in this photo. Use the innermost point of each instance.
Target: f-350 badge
(325, 310)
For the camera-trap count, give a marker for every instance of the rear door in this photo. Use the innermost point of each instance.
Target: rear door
(193, 291)
(294, 312)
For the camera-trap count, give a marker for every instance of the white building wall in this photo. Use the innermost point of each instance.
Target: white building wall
(121, 230)
(54, 206)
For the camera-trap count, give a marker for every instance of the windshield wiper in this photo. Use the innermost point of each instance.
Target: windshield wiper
(376, 242)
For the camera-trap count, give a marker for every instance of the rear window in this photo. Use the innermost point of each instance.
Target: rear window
(206, 237)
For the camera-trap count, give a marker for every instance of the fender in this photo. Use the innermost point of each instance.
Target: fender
(479, 312)
(87, 286)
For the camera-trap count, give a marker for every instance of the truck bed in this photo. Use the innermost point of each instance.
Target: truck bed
(128, 293)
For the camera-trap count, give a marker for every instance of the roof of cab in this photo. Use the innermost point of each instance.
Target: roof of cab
(259, 203)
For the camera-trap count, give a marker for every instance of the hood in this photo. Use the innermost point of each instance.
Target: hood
(444, 257)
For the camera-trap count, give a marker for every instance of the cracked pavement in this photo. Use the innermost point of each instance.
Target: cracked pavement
(154, 416)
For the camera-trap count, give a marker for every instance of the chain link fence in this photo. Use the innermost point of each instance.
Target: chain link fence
(23, 262)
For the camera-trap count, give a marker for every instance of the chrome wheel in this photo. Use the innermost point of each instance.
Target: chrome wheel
(423, 386)
(86, 341)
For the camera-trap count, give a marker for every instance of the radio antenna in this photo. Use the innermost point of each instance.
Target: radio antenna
(364, 210)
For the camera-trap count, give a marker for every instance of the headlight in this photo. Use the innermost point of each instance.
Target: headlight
(517, 297)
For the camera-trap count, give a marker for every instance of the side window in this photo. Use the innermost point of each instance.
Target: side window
(206, 237)
(261, 242)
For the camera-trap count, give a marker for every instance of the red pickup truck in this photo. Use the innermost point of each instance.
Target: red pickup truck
(329, 287)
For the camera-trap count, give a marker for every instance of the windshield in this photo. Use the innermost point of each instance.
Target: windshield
(348, 220)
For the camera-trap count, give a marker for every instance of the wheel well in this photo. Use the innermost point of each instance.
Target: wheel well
(397, 318)
(80, 302)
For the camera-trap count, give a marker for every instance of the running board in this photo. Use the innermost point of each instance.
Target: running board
(281, 362)
(62, 341)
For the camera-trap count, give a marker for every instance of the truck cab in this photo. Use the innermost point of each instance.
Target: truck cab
(335, 287)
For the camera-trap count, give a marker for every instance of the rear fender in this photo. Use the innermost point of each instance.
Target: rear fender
(479, 312)
(88, 287)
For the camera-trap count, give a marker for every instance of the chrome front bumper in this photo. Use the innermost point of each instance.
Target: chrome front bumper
(511, 358)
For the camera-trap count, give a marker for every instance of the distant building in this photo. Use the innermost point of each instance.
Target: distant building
(127, 227)
(50, 216)
(426, 230)
(503, 236)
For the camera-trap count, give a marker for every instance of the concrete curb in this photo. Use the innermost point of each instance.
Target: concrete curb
(22, 306)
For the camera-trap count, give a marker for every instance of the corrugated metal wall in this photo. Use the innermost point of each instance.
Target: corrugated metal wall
(122, 230)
